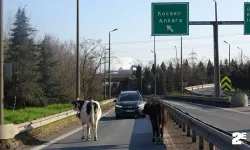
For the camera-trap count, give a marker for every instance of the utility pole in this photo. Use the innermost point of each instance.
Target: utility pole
(229, 55)
(105, 81)
(155, 64)
(77, 52)
(141, 74)
(1, 65)
(216, 55)
(181, 69)
(109, 65)
(240, 54)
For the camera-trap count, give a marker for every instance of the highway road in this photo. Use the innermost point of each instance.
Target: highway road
(231, 120)
(122, 134)
(209, 91)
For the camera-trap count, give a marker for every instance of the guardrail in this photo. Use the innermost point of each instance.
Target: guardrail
(11, 130)
(216, 137)
(199, 86)
(213, 101)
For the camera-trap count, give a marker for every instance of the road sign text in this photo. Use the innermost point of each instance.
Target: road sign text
(170, 19)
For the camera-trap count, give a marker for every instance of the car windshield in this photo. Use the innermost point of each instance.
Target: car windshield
(130, 97)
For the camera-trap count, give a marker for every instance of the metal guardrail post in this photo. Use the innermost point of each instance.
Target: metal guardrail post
(188, 131)
(201, 143)
(193, 136)
(184, 127)
(211, 146)
(177, 121)
(180, 123)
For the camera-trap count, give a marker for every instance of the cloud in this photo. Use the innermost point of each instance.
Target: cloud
(121, 62)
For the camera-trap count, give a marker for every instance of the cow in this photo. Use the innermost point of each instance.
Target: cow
(155, 112)
(90, 114)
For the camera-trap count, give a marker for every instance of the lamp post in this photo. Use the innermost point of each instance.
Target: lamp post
(77, 52)
(141, 74)
(155, 69)
(229, 55)
(109, 65)
(240, 54)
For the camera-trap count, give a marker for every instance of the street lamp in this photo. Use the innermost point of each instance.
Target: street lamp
(229, 54)
(141, 74)
(77, 52)
(155, 69)
(109, 65)
(240, 54)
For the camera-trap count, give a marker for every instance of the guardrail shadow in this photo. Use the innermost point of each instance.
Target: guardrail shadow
(28, 139)
(94, 147)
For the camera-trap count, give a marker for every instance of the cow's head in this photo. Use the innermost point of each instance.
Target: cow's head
(146, 108)
(77, 104)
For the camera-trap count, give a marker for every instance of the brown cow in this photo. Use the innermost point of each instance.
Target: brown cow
(157, 117)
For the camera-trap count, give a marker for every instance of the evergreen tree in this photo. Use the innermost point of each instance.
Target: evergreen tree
(170, 86)
(24, 56)
(48, 82)
(210, 72)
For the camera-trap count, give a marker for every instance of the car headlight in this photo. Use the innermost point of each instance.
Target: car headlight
(141, 105)
(118, 106)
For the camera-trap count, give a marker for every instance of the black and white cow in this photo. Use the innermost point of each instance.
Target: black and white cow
(90, 114)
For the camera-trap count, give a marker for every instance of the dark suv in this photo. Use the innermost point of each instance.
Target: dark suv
(129, 103)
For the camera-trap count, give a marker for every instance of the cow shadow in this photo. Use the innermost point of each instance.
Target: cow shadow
(94, 147)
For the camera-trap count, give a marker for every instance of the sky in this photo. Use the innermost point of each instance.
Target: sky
(132, 18)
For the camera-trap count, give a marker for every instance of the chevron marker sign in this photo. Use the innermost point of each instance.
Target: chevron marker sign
(226, 83)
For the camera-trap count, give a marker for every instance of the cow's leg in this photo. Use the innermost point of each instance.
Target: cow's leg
(95, 131)
(88, 132)
(83, 131)
(153, 128)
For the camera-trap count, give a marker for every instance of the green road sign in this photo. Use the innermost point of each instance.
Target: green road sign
(226, 83)
(246, 18)
(170, 18)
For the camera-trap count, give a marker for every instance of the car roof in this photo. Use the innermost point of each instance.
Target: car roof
(129, 92)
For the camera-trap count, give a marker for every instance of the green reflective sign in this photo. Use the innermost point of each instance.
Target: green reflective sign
(170, 19)
(246, 18)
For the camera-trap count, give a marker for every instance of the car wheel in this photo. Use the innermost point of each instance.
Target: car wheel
(117, 117)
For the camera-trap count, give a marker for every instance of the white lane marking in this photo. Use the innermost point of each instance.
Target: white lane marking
(191, 106)
(65, 135)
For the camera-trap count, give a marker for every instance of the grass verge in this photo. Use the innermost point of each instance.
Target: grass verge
(48, 132)
(29, 114)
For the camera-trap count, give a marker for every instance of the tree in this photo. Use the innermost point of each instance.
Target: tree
(210, 72)
(24, 56)
(170, 84)
(47, 81)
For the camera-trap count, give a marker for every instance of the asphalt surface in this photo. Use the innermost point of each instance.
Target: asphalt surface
(223, 118)
(122, 134)
(209, 91)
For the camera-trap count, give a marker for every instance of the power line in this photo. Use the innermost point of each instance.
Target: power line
(171, 49)
(150, 41)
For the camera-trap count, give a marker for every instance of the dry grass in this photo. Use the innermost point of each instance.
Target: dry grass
(50, 131)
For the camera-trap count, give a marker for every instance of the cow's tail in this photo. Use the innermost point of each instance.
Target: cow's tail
(92, 112)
